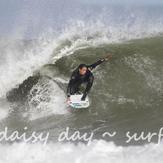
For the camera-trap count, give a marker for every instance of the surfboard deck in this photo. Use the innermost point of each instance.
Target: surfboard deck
(76, 103)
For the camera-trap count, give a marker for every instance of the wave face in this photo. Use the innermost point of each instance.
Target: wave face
(35, 65)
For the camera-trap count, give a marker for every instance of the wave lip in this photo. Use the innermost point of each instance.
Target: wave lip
(18, 65)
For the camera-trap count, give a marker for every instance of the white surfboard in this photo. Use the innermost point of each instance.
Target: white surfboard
(76, 103)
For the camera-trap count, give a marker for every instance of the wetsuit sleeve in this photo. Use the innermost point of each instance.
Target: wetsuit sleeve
(88, 87)
(71, 83)
(94, 65)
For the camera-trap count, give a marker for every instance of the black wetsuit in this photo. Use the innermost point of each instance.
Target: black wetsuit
(77, 79)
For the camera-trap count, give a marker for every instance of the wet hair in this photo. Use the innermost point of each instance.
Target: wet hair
(82, 65)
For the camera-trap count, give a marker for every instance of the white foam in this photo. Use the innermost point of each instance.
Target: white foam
(82, 34)
(45, 99)
(4, 109)
(97, 152)
(3, 113)
(19, 65)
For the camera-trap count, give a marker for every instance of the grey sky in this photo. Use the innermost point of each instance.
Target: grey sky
(34, 15)
(124, 1)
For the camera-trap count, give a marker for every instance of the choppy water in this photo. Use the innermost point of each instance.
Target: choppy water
(126, 96)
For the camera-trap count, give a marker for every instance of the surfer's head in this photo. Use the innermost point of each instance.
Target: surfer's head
(82, 69)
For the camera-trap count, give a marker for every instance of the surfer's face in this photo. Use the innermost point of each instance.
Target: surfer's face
(83, 70)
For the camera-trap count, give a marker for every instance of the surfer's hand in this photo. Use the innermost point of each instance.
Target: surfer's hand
(83, 98)
(68, 99)
(108, 57)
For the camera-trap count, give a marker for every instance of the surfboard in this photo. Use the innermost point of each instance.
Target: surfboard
(76, 103)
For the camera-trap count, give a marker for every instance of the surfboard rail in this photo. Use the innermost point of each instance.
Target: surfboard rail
(76, 102)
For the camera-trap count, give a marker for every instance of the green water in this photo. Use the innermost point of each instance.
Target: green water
(126, 96)
(127, 93)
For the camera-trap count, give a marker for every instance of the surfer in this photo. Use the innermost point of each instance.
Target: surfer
(83, 75)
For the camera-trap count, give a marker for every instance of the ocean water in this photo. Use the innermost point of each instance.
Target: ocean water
(36, 63)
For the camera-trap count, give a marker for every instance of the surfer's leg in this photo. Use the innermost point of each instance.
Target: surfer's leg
(74, 90)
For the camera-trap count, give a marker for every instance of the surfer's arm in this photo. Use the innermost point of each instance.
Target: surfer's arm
(88, 87)
(94, 65)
